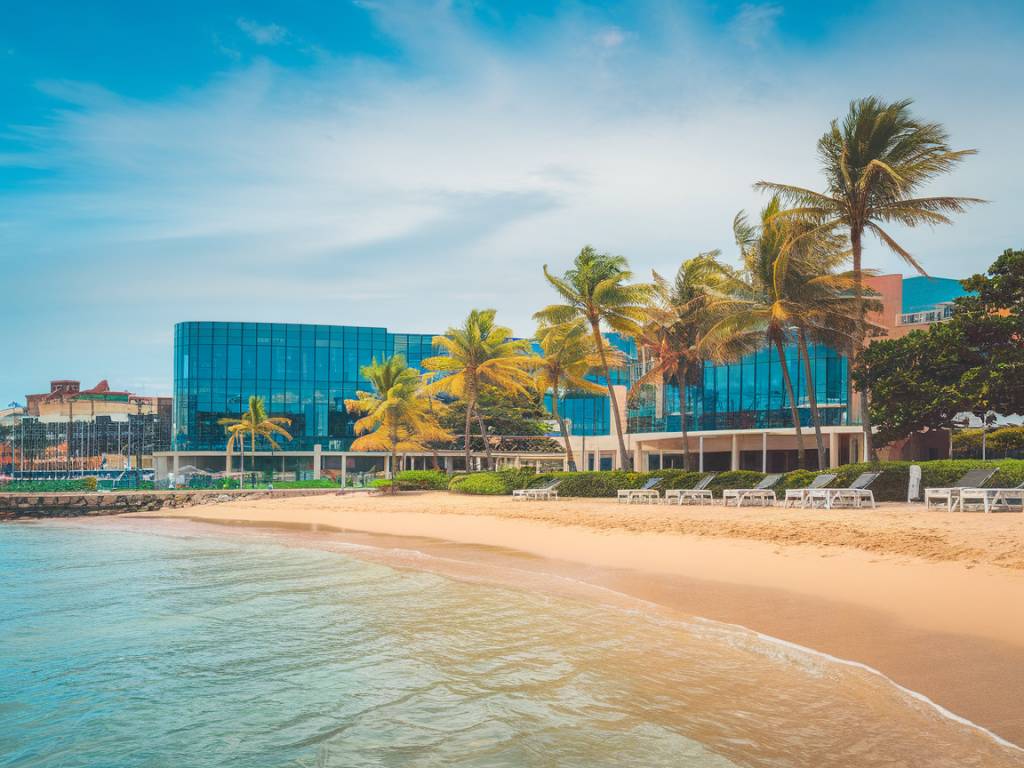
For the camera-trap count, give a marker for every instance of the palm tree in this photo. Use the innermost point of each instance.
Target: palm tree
(568, 355)
(875, 163)
(480, 353)
(256, 423)
(597, 289)
(397, 414)
(682, 331)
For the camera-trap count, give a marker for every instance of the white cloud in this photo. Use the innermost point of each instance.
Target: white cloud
(612, 37)
(754, 23)
(262, 34)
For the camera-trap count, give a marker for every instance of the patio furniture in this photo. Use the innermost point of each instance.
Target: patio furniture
(541, 493)
(854, 495)
(992, 499)
(699, 492)
(798, 496)
(760, 494)
(645, 493)
(950, 497)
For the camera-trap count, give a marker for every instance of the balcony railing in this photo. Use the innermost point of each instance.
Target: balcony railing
(936, 315)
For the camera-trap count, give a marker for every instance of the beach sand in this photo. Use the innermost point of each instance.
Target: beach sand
(933, 600)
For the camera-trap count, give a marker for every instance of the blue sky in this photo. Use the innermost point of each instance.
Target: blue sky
(397, 164)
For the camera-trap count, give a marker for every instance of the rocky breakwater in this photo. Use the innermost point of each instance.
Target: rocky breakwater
(34, 505)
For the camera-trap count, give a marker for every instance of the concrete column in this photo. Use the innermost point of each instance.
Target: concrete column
(638, 458)
(661, 459)
(764, 452)
(344, 470)
(176, 463)
(387, 466)
(734, 462)
(700, 453)
(864, 448)
(317, 461)
(833, 449)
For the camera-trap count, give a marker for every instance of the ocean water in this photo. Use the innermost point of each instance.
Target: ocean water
(126, 648)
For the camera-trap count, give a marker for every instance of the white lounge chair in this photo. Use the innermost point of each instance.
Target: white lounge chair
(645, 493)
(854, 495)
(541, 493)
(950, 497)
(760, 494)
(799, 496)
(992, 499)
(698, 494)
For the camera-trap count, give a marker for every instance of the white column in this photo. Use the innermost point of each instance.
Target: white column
(833, 449)
(176, 462)
(344, 470)
(317, 461)
(700, 453)
(864, 455)
(734, 462)
(764, 452)
(638, 459)
(661, 459)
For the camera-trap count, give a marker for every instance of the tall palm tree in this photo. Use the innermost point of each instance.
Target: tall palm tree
(256, 423)
(479, 353)
(397, 414)
(597, 289)
(567, 356)
(875, 163)
(682, 331)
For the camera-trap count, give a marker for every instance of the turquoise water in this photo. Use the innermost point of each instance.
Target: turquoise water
(122, 648)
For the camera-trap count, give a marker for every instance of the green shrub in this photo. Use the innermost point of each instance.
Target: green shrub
(323, 482)
(481, 483)
(1002, 442)
(49, 486)
(422, 479)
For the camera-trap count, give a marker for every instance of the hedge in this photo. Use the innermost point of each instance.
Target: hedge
(49, 486)
(999, 442)
(891, 486)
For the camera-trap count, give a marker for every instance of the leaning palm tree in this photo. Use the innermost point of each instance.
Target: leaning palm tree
(479, 353)
(567, 356)
(255, 423)
(875, 163)
(397, 415)
(597, 289)
(682, 331)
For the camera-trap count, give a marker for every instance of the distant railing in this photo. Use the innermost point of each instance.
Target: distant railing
(936, 315)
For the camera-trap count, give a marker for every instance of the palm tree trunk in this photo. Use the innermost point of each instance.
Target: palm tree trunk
(483, 436)
(858, 344)
(394, 460)
(625, 461)
(681, 372)
(562, 428)
(469, 422)
(792, 402)
(252, 453)
(812, 397)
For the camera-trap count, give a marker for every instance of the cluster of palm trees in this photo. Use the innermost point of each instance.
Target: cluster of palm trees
(800, 280)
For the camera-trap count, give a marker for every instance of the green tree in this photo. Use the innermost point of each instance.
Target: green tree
(480, 353)
(598, 290)
(568, 356)
(683, 329)
(255, 423)
(396, 415)
(875, 163)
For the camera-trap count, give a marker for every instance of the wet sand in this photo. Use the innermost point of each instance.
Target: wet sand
(931, 599)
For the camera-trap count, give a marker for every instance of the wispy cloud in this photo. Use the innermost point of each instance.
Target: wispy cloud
(262, 34)
(755, 23)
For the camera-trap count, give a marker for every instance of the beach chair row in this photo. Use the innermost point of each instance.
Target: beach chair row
(969, 493)
(817, 494)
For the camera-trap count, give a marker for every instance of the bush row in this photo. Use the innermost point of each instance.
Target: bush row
(49, 486)
(1005, 440)
(891, 486)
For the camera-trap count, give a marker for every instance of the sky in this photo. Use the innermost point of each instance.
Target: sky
(400, 163)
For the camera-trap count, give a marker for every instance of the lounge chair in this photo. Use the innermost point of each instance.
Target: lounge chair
(540, 493)
(645, 493)
(854, 495)
(760, 494)
(799, 496)
(950, 497)
(699, 492)
(992, 499)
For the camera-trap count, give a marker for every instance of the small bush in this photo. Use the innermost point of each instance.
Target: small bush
(481, 483)
(422, 479)
(323, 482)
(49, 486)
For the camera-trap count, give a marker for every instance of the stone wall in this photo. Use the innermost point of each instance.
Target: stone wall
(26, 505)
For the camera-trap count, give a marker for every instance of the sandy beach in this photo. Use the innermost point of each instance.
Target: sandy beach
(930, 599)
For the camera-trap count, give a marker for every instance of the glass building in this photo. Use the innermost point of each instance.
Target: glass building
(303, 372)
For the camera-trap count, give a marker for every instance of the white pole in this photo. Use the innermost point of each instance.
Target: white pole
(700, 450)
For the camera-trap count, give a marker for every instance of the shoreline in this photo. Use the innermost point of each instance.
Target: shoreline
(944, 629)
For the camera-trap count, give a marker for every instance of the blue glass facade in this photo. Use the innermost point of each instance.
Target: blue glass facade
(304, 372)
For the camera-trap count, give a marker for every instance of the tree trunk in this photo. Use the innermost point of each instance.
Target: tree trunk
(394, 460)
(252, 453)
(562, 428)
(858, 344)
(812, 397)
(469, 423)
(792, 403)
(483, 435)
(681, 372)
(625, 460)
